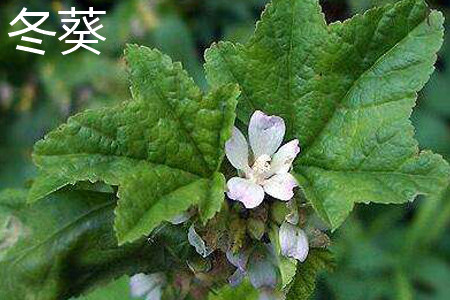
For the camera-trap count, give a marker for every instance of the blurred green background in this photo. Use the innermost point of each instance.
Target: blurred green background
(383, 252)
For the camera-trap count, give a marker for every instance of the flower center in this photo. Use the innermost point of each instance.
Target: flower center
(260, 169)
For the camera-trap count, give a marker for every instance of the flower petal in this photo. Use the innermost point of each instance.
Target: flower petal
(283, 158)
(293, 242)
(245, 191)
(281, 186)
(265, 133)
(236, 150)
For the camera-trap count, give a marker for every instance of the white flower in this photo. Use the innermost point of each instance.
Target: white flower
(266, 170)
(293, 242)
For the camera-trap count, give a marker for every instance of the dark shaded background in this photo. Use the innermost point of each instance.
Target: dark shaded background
(383, 252)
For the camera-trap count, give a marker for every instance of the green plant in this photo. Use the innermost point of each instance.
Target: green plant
(343, 91)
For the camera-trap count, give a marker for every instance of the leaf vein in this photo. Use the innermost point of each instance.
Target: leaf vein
(354, 85)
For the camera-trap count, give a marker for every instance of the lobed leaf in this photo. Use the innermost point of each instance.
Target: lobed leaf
(162, 149)
(346, 91)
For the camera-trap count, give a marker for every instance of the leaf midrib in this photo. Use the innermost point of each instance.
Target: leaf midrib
(82, 155)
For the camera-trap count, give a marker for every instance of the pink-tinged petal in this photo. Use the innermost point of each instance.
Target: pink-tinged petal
(265, 133)
(281, 186)
(236, 150)
(283, 158)
(293, 242)
(245, 191)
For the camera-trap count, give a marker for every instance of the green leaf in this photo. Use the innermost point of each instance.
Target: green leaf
(215, 198)
(305, 280)
(244, 291)
(404, 288)
(68, 247)
(116, 290)
(162, 149)
(430, 221)
(143, 206)
(11, 228)
(287, 266)
(346, 91)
